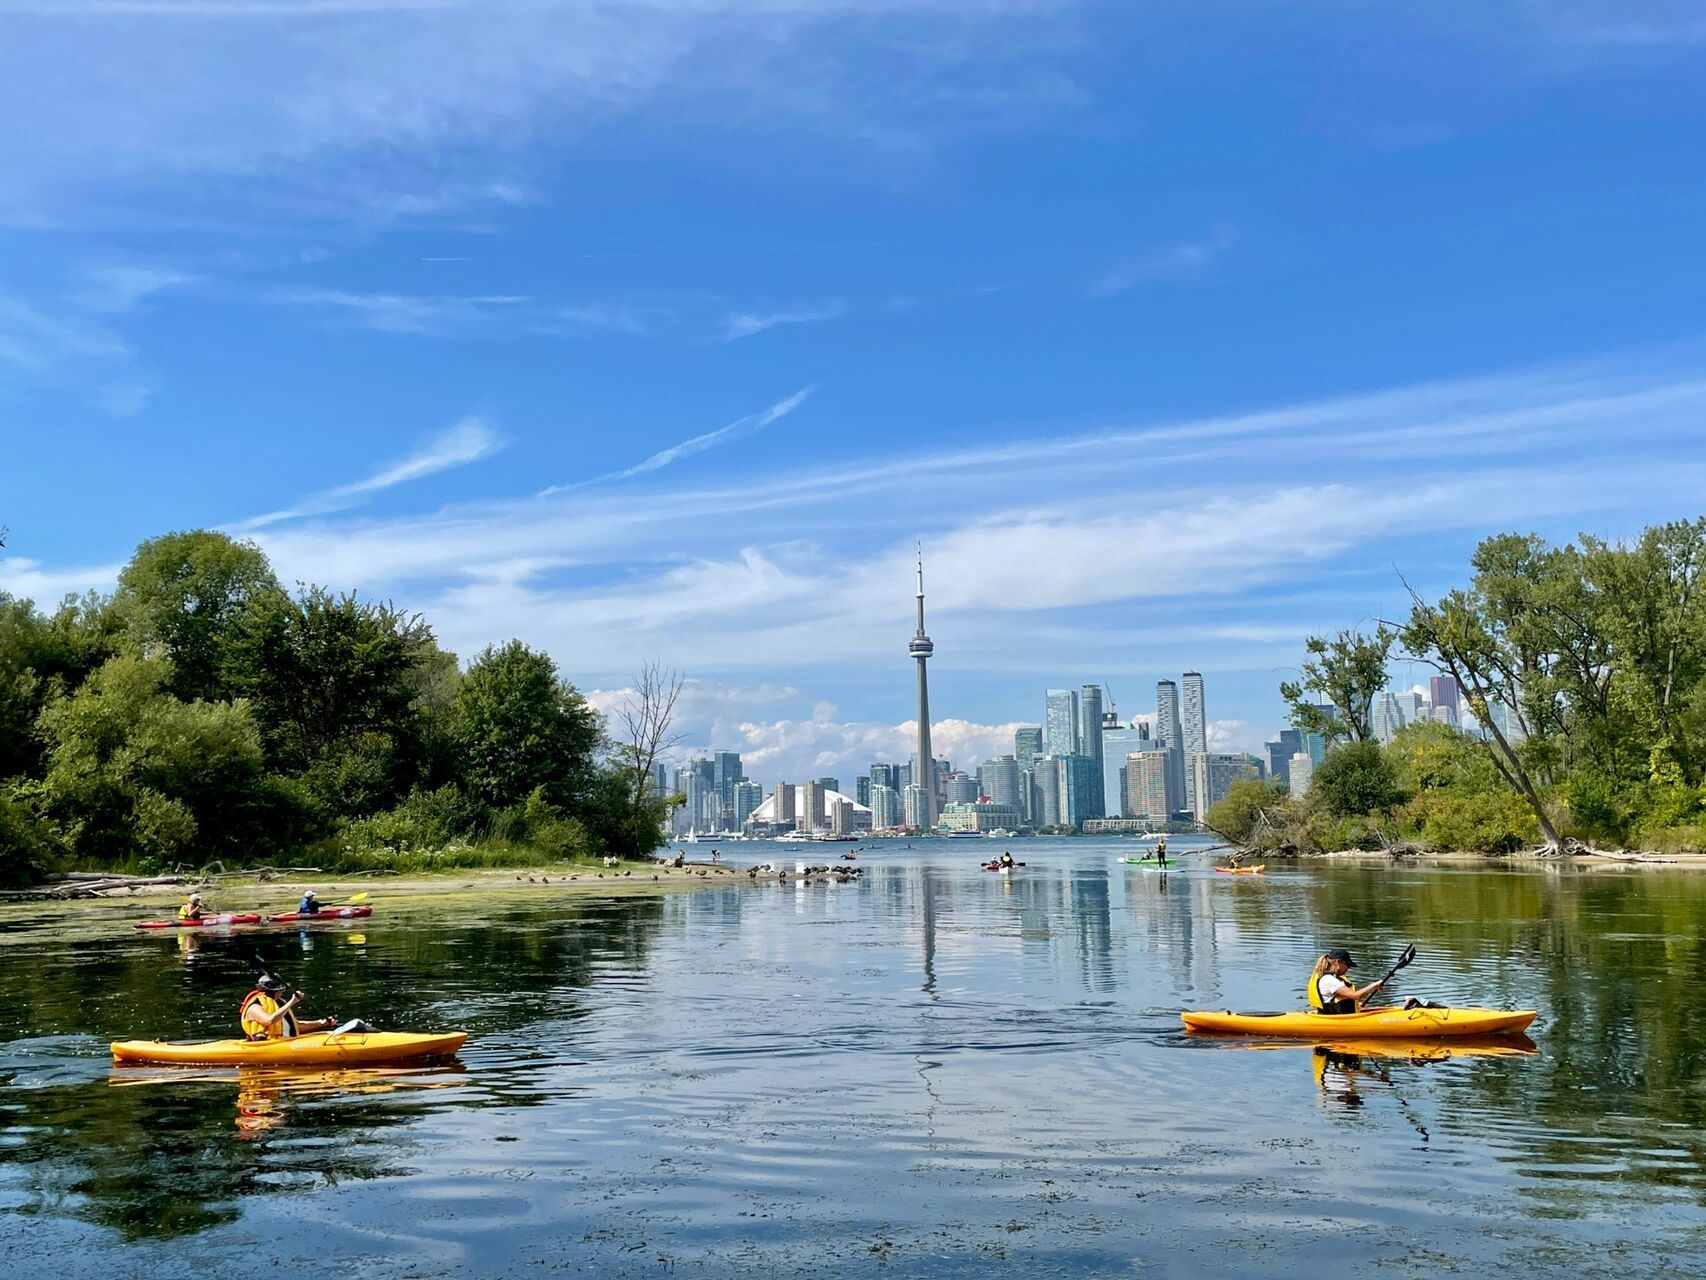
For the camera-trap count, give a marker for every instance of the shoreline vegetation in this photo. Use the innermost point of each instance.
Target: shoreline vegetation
(1584, 669)
(203, 714)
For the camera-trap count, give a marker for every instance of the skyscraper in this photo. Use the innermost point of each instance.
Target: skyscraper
(998, 778)
(784, 802)
(1117, 744)
(1060, 722)
(1027, 745)
(921, 649)
(1149, 786)
(1045, 773)
(748, 796)
(862, 790)
(1194, 730)
(1386, 718)
(1280, 752)
(1215, 772)
(1171, 737)
(725, 772)
(1444, 691)
(1090, 745)
(1079, 782)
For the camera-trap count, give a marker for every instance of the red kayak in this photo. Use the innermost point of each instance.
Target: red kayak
(325, 913)
(202, 923)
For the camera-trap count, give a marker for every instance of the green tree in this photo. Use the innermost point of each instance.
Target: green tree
(184, 595)
(1341, 676)
(519, 728)
(1250, 807)
(135, 772)
(28, 846)
(1357, 779)
(42, 656)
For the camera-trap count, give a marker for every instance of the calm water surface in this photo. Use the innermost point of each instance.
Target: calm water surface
(933, 1072)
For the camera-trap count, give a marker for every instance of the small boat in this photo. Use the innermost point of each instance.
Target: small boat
(1242, 871)
(1385, 1024)
(324, 913)
(204, 923)
(322, 1048)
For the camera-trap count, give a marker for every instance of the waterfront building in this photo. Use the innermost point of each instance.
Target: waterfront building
(1445, 714)
(959, 788)
(1117, 744)
(1170, 734)
(747, 797)
(1090, 746)
(1045, 776)
(1193, 713)
(725, 772)
(840, 817)
(1149, 786)
(1060, 722)
(980, 815)
(862, 789)
(903, 776)
(888, 775)
(916, 806)
(1300, 773)
(1079, 779)
(1280, 752)
(769, 817)
(920, 649)
(829, 784)
(998, 778)
(1386, 718)
(886, 811)
(1214, 772)
(782, 804)
(814, 797)
(1027, 745)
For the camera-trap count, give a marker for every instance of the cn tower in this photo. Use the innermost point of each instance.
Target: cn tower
(924, 770)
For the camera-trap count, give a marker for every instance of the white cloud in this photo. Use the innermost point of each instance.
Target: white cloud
(28, 579)
(746, 324)
(1170, 261)
(36, 341)
(123, 287)
(403, 313)
(468, 440)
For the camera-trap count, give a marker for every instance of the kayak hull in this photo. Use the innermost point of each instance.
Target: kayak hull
(1242, 871)
(1383, 1024)
(321, 1049)
(326, 913)
(206, 922)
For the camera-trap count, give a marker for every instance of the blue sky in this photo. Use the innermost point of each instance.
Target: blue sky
(664, 328)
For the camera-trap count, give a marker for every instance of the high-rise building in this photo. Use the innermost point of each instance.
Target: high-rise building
(959, 788)
(1149, 786)
(1117, 744)
(1386, 717)
(785, 796)
(1299, 775)
(1080, 779)
(921, 648)
(829, 784)
(1060, 722)
(704, 807)
(725, 772)
(1215, 772)
(916, 806)
(887, 775)
(1170, 734)
(886, 809)
(748, 796)
(1280, 752)
(840, 816)
(1445, 714)
(1027, 744)
(1045, 777)
(1090, 745)
(1444, 691)
(1193, 713)
(862, 790)
(813, 806)
(998, 778)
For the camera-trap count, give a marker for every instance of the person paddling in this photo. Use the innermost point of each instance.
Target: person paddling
(309, 906)
(266, 1015)
(1329, 992)
(1006, 858)
(1161, 851)
(192, 908)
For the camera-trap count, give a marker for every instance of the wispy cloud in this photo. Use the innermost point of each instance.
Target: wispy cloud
(736, 430)
(1171, 261)
(467, 441)
(121, 288)
(746, 324)
(32, 339)
(402, 313)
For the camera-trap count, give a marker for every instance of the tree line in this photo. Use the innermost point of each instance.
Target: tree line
(1584, 668)
(202, 712)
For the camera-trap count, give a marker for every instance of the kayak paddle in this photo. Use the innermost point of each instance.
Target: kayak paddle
(1408, 955)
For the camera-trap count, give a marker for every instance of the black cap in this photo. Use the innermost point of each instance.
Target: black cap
(270, 983)
(1339, 953)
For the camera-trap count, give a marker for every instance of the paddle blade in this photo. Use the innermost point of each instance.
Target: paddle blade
(355, 898)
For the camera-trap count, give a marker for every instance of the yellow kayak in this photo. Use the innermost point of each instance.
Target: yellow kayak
(321, 1049)
(1412, 1024)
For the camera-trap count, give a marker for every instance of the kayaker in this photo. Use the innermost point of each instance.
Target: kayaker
(1329, 992)
(265, 1016)
(1006, 858)
(310, 905)
(192, 908)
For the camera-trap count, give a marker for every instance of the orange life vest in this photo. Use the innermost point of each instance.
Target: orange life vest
(254, 1028)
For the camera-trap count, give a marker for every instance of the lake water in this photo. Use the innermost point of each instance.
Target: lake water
(932, 1072)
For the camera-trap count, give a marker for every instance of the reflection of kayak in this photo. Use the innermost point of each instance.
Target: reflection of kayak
(1242, 871)
(203, 923)
(325, 913)
(1413, 1024)
(1429, 1049)
(322, 1048)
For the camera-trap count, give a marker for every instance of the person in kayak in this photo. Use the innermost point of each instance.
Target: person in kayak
(192, 908)
(266, 1016)
(1006, 859)
(310, 905)
(1329, 992)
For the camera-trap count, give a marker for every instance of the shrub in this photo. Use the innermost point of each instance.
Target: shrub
(1357, 779)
